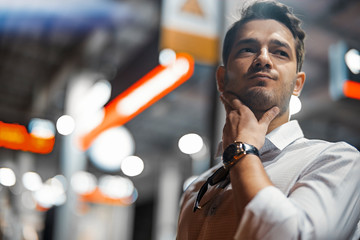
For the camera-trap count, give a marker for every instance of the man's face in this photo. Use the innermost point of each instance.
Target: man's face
(261, 69)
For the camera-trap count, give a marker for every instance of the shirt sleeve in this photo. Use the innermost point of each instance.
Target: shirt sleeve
(323, 204)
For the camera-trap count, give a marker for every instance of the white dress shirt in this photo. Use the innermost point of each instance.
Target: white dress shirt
(316, 194)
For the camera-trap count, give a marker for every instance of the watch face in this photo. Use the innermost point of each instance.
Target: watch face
(229, 152)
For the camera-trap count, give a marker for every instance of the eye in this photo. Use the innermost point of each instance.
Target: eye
(281, 53)
(246, 50)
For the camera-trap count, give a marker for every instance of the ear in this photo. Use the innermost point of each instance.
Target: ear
(220, 78)
(299, 83)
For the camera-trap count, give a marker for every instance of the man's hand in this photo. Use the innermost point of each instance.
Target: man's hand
(241, 123)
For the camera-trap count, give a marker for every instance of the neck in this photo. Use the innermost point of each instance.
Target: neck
(279, 120)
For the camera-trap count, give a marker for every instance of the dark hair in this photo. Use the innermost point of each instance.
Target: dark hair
(268, 10)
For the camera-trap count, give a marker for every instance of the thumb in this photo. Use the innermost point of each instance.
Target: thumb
(269, 115)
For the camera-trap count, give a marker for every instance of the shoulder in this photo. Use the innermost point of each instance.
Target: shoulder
(322, 147)
(333, 156)
(336, 149)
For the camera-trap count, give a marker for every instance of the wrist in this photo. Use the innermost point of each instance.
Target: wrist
(251, 141)
(237, 150)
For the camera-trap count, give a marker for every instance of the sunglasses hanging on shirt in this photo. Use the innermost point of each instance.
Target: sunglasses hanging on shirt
(232, 154)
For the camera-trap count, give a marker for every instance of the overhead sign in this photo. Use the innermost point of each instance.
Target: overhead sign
(142, 94)
(192, 26)
(344, 71)
(16, 137)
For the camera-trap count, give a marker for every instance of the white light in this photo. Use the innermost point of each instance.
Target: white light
(116, 187)
(89, 120)
(65, 125)
(32, 181)
(190, 143)
(7, 177)
(45, 196)
(51, 193)
(83, 182)
(99, 94)
(295, 105)
(167, 57)
(41, 128)
(56, 184)
(352, 59)
(132, 166)
(111, 147)
(90, 109)
(150, 89)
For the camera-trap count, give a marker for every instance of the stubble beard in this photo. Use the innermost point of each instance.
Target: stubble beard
(260, 101)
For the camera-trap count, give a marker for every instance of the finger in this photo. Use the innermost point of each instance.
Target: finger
(237, 104)
(232, 100)
(269, 115)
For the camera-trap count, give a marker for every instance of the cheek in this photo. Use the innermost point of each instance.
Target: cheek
(230, 80)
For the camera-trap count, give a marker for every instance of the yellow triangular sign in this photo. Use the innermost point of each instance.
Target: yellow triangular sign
(192, 6)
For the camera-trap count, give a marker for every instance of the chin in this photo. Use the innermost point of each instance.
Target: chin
(258, 101)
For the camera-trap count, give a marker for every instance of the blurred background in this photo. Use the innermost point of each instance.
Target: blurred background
(104, 122)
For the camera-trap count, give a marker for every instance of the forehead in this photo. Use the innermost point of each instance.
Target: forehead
(264, 31)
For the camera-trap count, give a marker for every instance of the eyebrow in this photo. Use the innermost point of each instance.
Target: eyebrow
(280, 44)
(246, 41)
(273, 41)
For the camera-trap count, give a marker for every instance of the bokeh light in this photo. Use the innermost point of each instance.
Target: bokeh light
(190, 143)
(65, 125)
(132, 166)
(32, 181)
(295, 105)
(111, 147)
(352, 59)
(167, 56)
(83, 182)
(7, 177)
(41, 128)
(51, 193)
(116, 187)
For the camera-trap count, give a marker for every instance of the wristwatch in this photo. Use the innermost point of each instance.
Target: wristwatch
(235, 151)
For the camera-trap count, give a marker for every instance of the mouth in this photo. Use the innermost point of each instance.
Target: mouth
(262, 76)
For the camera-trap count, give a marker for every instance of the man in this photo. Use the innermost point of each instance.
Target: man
(274, 183)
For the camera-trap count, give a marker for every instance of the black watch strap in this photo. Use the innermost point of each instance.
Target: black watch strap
(250, 149)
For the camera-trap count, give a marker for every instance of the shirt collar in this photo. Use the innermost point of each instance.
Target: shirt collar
(282, 136)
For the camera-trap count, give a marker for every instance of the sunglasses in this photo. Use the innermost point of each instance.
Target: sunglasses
(215, 178)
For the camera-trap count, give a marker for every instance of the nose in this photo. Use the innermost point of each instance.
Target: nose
(262, 60)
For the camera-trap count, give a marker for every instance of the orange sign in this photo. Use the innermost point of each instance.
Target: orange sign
(98, 197)
(192, 26)
(142, 94)
(15, 136)
(352, 89)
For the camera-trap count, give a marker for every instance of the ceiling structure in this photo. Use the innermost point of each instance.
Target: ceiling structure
(119, 42)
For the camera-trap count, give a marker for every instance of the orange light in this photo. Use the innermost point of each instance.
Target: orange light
(141, 95)
(98, 197)
(352, 89)
(15, 136)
